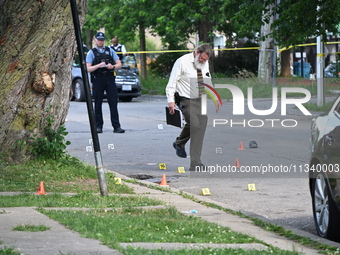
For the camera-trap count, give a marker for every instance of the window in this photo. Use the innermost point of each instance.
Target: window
(337, 110)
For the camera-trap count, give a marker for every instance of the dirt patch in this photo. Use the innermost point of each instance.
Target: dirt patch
(85, 183)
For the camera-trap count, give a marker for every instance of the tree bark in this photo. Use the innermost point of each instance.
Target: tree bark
(204, 28)
(285, 64)
(265, 69)
(89, 38)
(37, 43)
(142, 42)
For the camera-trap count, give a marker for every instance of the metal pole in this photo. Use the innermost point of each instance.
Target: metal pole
(319, 72)
(320, 65)
(96, 146)
(337, 57)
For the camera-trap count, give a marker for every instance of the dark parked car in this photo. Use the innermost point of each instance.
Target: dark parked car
(129, 60)
(127, 80)
(324, 172)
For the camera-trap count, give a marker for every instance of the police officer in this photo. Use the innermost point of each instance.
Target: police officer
(118, 48)
(102, 61)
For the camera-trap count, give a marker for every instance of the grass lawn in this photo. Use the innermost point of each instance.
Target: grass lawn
(63, 175)
(123, 222)
(156, 85)
(158, 225)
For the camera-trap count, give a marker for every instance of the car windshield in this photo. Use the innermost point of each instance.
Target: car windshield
(76, 61)
(129, 60)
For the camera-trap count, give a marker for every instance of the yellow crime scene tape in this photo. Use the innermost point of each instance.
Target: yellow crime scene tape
(311, 44)
(325, 54)
(172, 51)
(222, 49)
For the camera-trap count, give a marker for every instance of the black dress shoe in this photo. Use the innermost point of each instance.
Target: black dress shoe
(180, 152)
(197, 168)
(118, 130)
(99, 130)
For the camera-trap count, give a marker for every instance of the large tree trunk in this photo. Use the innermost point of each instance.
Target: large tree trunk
(37, 45)
(265, 70)
(285, 64)
(142, 42)
(89, 38)
(204, 29)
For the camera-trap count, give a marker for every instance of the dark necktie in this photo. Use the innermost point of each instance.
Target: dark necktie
(200, 82)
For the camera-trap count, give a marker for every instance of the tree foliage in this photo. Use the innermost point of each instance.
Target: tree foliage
(238, 63)
(297, 20)
(122, 18)
(119, 18)
(176, 21)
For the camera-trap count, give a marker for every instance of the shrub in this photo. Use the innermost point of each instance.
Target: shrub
(52, 144)
(238, 63)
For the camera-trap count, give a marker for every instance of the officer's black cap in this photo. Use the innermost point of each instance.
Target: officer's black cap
(100, 35)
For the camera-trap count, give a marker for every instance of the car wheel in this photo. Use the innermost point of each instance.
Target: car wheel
(126, 99)
(326, 215)
(78, 90)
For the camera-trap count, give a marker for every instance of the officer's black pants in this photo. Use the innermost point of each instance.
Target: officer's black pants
(101, 84)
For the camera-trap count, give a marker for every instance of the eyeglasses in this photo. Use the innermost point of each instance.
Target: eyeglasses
(203, 59)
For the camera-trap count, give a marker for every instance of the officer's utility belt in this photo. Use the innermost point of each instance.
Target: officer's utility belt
(104, 74)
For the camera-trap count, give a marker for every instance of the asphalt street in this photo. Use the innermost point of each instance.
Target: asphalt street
(276, 170)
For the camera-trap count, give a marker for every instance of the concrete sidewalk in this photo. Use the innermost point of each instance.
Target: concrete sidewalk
(57, 240)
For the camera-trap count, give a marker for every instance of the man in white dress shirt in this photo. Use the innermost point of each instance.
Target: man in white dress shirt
(184, 79)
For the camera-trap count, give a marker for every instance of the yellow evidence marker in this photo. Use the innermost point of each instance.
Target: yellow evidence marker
(118, 180)
(252, 187)
(206, 192)
(181, 170)
(162, 166)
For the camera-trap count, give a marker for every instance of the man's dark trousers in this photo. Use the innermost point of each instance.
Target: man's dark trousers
(194, 129)
(101, 84)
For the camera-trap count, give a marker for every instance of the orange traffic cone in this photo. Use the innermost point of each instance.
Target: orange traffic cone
(237, 163)
(164, 183)
(241, 146)
(41, 189)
